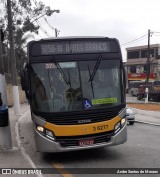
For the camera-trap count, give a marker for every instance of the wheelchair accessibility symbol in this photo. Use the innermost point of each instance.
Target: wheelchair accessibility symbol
(87, 104)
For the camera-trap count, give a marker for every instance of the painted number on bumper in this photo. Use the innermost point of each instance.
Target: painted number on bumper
(100, 128)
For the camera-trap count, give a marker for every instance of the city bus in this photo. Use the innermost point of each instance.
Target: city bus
(76, 91)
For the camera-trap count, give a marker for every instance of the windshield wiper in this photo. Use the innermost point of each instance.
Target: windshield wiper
(91, 81)
(61, 71)
(95, 69)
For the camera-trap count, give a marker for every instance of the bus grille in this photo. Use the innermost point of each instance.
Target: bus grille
(83, 117)
(74, 141)
(74, 119)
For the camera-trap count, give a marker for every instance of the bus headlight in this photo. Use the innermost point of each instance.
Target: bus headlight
(119, 125)
(40, 129)
(123, 121)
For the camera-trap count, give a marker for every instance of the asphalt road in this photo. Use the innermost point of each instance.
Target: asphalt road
(142, 150)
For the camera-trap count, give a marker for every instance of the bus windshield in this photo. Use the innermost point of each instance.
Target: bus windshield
(75, 85)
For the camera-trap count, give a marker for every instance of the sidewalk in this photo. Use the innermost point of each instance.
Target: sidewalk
(148, 117)
(144, 112)
(13, 158)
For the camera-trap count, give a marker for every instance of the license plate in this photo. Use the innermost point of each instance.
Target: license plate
(86, 142)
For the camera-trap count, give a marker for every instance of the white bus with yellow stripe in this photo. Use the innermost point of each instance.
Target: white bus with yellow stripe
(76, 90)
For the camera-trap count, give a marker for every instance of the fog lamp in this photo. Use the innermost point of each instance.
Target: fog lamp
(117, 127)
(50, 135)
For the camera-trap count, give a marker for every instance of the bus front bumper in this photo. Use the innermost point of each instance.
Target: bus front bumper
(46, 145)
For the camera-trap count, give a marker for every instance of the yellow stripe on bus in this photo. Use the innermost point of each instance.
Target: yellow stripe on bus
(83, 129)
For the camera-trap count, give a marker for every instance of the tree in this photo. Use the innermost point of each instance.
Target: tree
(23, 14)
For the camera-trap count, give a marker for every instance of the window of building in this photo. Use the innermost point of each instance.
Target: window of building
(157, 53)
(133, 54)
(144, 53)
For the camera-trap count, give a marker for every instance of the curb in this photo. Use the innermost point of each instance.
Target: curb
(149, 123)
(136, 102)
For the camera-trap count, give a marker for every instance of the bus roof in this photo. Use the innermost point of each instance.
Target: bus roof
(74, 38)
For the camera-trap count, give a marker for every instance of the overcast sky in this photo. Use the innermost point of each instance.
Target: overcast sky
(125, 20)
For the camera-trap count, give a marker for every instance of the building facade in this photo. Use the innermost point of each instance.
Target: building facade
(137, 62)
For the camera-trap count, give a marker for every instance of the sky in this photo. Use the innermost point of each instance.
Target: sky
(126, 20)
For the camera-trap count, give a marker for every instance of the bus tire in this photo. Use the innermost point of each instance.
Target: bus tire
(131, 123)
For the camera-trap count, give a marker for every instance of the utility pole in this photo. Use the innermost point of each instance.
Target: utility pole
(148, 67)
(5, 132)
(56, 32)
(148, 58)
(13, 62)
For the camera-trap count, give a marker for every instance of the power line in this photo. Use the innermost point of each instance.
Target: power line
(155, 32)
(35, 2)
(49, 24)
(39, 35)
(42, 29)
(140, 38)
(135, 40)
(55, 29)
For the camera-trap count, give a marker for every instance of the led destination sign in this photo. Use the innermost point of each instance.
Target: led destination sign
(51, 48)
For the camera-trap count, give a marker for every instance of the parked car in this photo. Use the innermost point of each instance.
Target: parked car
(130, 115)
